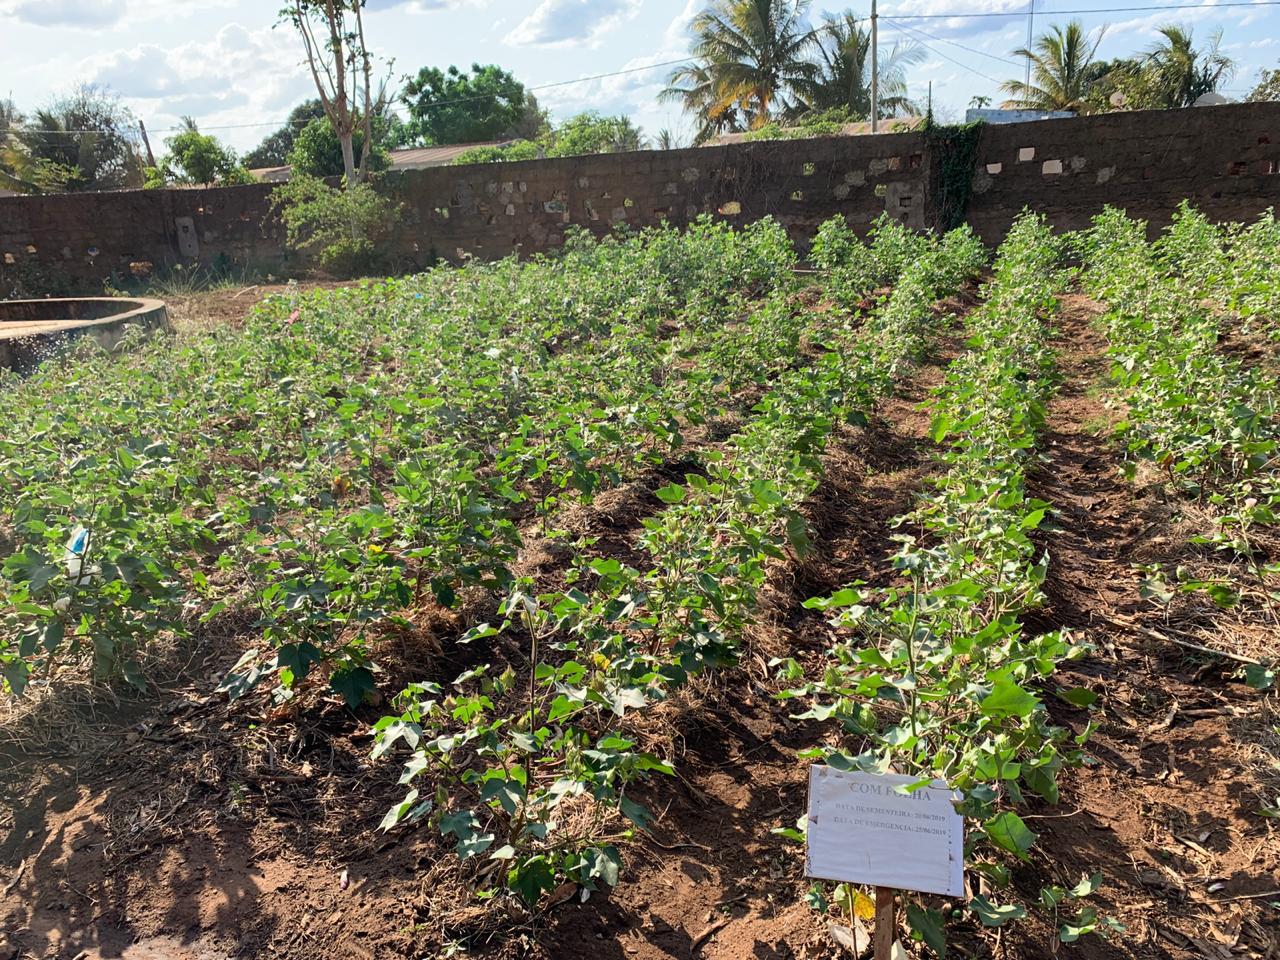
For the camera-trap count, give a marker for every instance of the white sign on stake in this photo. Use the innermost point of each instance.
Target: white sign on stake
(862, 830)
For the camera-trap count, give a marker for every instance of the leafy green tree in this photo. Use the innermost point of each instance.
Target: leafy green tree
(274, 149)
(1178, 74)
(843, 80)
(585, 133)
(1268, 87)
(505, 153)
(752, 58)
(455, 107)
(195, 157)
(317, 152)
(90, 136)
(590, 132)
(1063, 71)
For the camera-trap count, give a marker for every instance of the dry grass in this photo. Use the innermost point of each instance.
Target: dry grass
(1257, 736)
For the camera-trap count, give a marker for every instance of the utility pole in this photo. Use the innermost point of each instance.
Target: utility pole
(146, 142)
(1031, 20)
(875, 69)
(928, 112)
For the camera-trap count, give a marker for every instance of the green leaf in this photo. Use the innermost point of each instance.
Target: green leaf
(798, 534)
(993, 916)
(927, 925)
(1009, 832)
(1007, 699)
(353, 684)
(531, 878)
(1259, 676)
(672, 493)
(601, 863)
(1078, 696)
(635, 812)
(1087, 886)
(298, 657)
(508, 793)
(397, 813)
(1084, 922)
(627, 697)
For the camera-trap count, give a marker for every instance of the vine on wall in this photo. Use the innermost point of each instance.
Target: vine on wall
(953, 152)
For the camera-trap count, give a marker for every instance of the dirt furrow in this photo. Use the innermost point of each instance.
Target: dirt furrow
(713, 881)
(1166, 808)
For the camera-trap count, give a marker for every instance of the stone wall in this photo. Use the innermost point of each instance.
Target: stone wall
(1225, 160)
(1222, 158)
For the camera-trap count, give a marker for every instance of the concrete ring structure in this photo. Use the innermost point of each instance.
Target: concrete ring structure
(32, 331)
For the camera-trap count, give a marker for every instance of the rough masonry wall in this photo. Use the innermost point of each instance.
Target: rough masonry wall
(1225, 160)
(86, 238)
(493, 210)
(1222, 158)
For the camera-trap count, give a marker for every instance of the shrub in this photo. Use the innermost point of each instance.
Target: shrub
(341, 226)
(507, 152)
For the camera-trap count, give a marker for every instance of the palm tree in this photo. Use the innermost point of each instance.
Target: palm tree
(1179, 73)
(751, 57)
(694, 88)
(666, 140)
(979, 102)
(843, 79)
(1061, 71)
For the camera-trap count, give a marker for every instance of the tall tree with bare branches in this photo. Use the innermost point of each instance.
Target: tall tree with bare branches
(341, 65)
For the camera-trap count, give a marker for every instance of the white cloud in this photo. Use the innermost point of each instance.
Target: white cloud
(569, 23)
(676, 36)
(85, 14)
(1149, 24)
(237, 75)
(144, 71)
(421, 6)
(633, 93)
(102, 14)
(939, 23)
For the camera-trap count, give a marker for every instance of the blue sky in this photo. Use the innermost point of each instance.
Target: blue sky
(222, 62)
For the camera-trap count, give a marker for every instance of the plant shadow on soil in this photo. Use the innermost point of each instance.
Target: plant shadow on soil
(193, 832)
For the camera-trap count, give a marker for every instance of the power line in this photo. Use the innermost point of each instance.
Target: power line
(916, 35)
(439, 103)
(992, 56)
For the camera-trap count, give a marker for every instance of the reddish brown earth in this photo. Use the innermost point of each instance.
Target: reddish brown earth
(180, 828)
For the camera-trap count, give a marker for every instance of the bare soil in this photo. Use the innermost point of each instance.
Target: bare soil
(178, 827)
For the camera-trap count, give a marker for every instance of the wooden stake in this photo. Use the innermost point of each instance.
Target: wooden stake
(886, 924)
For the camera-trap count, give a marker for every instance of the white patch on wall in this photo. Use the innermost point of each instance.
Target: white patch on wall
(188, 242)
(1026, 154)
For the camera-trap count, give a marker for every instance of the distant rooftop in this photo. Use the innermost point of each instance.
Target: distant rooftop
(997, 115)
(862, 127)
(413, 158)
